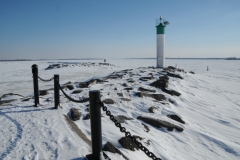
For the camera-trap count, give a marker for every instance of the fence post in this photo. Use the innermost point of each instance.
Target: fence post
(96, 127)
(35, 83)
(56, 91)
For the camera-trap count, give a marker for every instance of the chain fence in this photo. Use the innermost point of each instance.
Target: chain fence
(71, 99)
(127, 134)
(46, 80)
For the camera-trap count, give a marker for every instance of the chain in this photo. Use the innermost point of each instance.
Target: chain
(71, 99)
(47, 80)
(127, 134)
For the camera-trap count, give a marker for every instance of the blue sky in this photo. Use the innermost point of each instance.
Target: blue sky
(59, 29)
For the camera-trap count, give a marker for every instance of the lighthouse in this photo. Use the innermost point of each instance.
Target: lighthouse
(161, 24)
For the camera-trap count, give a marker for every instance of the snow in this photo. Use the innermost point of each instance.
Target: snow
(209, 104)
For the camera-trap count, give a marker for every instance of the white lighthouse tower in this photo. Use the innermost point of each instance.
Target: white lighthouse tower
(161, 24)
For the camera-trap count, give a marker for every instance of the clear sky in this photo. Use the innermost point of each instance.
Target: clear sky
(57, 29)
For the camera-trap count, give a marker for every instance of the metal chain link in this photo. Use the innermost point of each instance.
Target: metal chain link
(46, 80)
(127, 134)
(71, 99)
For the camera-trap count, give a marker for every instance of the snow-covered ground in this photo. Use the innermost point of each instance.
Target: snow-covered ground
(209, 104)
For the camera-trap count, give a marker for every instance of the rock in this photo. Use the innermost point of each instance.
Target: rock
(26, 99)
(159, 97)
(171, 101)
(111, 148)
(192, 72)
(174, 75)
(68, 83)
(171, 67)
(88, 83)
(176, 118)
(171, 92)
(70, 87)
(6, 101)
(43, 92)
(75, 114)
(120, 94)
(164, 78)
(128, 144)
(50, 99)
(108, 101)
(87, 117)
(128, 88)
(146, 128)
(180, 70)
(159, 84)
(125, 84)
(144, 89)
(146, 78)
(160, 123)
(115, 76)
(152, 109)
(121, 118)
(125, 99)
(115, 88)
(130, 80)
(76, 91)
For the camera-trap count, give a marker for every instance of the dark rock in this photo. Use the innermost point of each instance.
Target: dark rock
(121, 118)
(147, 90)
(108, 101)
(116, 76)
(171, 67)
(83, 85)
(146, 78)
(130, 80)
(160, 123)
(125, 99)
(171, 92)
(115, 88)
(70, 87)
(120, 94)
(67, 83)
(75, 114)
(76, 91)
(26, 99)
(180, 70)
(158, 97)
(43, 92)
(164, 78)
(159, 84)
(111, 148)
(128, 144)
(50, 99)
(152, 109)
(6, 101)
(192, 72)
(176, 118)
(128, 88)
(174, 75)
(87, 117)
(146, 128)
(87, 84)
(171, 101)
(125, 84)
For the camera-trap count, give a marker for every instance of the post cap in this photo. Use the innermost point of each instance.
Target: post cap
(34, 66)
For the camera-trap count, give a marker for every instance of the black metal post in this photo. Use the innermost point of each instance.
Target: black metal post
(56, 91)
(96, 127)
(35, 83)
